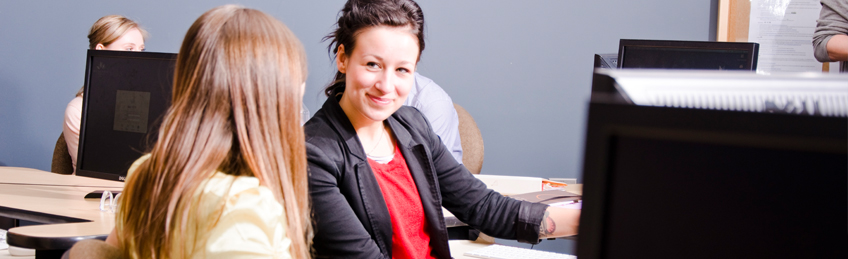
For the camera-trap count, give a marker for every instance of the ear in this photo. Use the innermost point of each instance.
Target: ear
(341, 59)
(99, 46)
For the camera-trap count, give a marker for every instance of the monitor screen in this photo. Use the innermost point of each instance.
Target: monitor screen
(126, 94)
(663, 182)
(687, 54)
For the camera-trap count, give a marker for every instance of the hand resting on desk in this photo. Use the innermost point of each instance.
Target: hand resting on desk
(559, 222)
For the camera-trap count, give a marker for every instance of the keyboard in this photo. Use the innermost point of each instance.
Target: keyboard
(510, 252)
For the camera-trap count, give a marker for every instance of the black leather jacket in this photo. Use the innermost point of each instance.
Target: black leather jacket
(350, 217)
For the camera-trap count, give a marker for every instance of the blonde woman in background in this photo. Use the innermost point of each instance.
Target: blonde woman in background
(227, 176)
(111, 32)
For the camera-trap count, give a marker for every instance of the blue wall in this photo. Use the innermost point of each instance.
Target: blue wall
(521, 68)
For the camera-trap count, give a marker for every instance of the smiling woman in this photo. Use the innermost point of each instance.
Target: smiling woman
(378, 174)
(378, 75)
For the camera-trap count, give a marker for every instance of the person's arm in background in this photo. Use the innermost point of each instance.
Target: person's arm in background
(437, 106)
(837, 48)
(830, 39)
(445, 121)
(71, 128)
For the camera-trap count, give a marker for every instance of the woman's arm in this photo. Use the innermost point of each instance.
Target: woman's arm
(829, 39)
(71, 128)
(837, 48)
(559, 222)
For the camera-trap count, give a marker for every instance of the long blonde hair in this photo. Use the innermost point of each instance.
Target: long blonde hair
(236, 109)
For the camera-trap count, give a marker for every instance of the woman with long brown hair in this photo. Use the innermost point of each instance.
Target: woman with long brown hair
(227, 176)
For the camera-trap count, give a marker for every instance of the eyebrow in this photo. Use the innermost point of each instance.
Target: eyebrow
(379, 58)
(406, 63)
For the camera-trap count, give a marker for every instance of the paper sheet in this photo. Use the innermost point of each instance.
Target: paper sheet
(784, 29)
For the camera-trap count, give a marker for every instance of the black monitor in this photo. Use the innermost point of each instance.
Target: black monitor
(126, 95)
(662, 182)
(670, 54)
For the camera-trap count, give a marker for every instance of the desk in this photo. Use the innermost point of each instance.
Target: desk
(57, 201)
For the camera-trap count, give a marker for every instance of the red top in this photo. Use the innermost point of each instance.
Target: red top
(410, 238)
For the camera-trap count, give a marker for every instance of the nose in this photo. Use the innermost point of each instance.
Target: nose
(385, 82)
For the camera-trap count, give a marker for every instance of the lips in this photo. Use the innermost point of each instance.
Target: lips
(380, 101)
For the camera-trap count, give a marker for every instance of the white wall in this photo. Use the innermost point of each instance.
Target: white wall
(521, 68)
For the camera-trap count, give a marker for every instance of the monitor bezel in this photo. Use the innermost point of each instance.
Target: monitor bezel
(749, 47)
(90, 56)
(607, 121)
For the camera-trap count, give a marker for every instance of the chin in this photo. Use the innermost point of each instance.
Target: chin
(380, 115)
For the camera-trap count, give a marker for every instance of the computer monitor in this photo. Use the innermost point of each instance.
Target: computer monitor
(664, 182)
(126, 94)
(609, 60)
(824, 94)
(670, 54)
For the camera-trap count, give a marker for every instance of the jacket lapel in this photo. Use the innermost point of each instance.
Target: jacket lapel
(375, 207)
(380, 222)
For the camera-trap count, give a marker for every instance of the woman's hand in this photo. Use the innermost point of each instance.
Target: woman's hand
(559, 222)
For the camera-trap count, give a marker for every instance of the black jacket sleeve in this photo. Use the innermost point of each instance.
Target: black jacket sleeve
(340, 235)
(472, 202)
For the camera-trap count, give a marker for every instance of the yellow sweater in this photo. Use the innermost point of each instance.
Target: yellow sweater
(252, 223)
